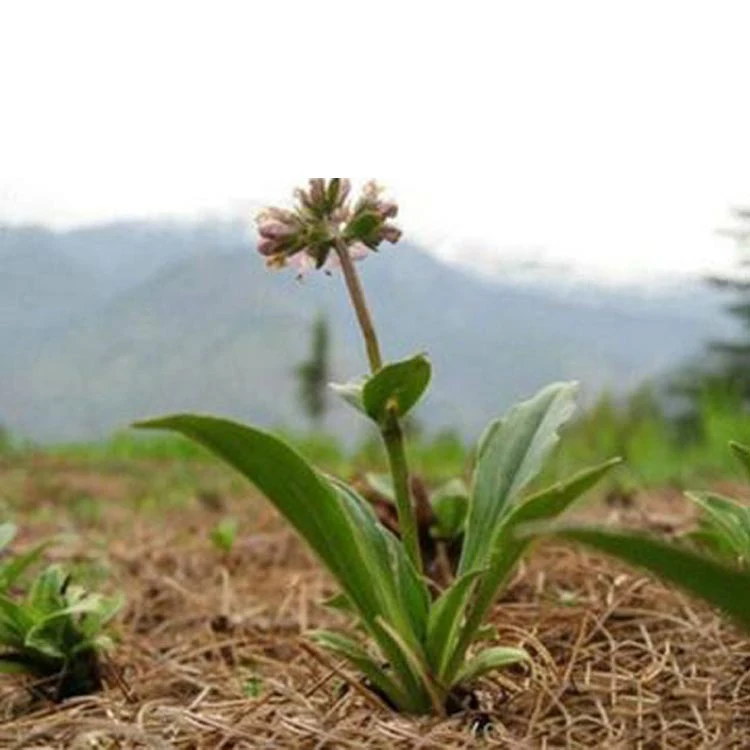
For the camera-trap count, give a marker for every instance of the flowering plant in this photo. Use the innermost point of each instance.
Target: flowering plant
(424, 644)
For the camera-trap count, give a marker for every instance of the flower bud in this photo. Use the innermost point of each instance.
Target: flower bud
(387, 209)
(391, 233)
(267, 247)
(317, 191)
(274, 230)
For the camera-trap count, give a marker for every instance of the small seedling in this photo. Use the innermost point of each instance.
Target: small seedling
(55, 632)
(224, 534)
(252, 687)
(724, 523)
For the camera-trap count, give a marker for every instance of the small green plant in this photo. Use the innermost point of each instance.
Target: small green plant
(423, 646)
(224, 534)
(724, 523)
(716, 572)
(54, 632)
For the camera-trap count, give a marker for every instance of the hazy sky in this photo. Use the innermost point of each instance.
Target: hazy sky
(613, 135)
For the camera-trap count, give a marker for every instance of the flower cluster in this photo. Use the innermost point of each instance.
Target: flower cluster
(324, 220)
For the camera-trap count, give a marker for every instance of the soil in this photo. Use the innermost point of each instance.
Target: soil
(211, 651)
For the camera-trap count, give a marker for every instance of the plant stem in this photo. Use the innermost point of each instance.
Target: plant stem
(360, 306)
(390, 430)
(393, 437)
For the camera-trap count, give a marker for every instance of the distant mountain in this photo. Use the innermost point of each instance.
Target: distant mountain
(104, 325)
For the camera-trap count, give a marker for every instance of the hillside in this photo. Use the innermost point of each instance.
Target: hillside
(104, 325)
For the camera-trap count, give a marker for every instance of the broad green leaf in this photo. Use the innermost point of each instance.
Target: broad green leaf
(446, 619)
(105, 612)
(543, 506)
(512, 453)
(723, 587)
(489, 660)
(350, 392)
(337, 524)
(14, 617)
(418, 664)
(743, 454)
(412, 588)
(298, 492)
(45, 595)
(395, 582)
(354, 653)
(509, 546)
(403, 596)
(450, 505)
(47, 645)
(400, 384)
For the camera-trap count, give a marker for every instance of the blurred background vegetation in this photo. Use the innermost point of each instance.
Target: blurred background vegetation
(673, 429)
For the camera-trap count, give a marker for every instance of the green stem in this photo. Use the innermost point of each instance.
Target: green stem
(390, 430)
(393, 437)
(360, 306)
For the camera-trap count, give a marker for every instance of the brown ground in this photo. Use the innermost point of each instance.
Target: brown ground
(212, 653)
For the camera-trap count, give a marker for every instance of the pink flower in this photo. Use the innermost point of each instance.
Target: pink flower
(323, 222)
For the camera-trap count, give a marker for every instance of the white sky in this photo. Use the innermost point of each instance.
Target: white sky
(614, 135)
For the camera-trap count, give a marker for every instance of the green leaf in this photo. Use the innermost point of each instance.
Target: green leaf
(400, 384)
(450, 504)
(45, 595)
(402, 594)
(16, 566)
(727, 519)
(512, 453)
(298, 492)
(412, 588)
(350, 392)
(354, 653)
(548, 504)
(723, 587)
(446, 619)
(509, 546)
(15, 617)
(489, 660)
(743, 454)
(418, 664)
(340, 603)
(339, 526)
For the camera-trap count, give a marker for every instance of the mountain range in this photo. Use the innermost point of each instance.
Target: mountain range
(103, 325)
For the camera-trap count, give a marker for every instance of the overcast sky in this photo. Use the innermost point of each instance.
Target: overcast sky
(611, 135)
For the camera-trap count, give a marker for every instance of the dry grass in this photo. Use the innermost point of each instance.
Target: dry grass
(212, 653)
